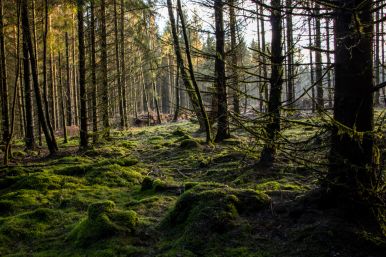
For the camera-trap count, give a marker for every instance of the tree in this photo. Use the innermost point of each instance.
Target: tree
(222, 112)
(351, 171)
(105, 86)
(276, 82)
(43, 122)
(82, 78)
(4, 82)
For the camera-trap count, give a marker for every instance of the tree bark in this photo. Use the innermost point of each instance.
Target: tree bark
(27, 34)
(276, 81)
(222, 117)
(82, 79)
(351, 171)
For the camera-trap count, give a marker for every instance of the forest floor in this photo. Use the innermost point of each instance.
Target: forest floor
(160, 191)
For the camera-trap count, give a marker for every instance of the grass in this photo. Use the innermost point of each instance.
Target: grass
(159, 191)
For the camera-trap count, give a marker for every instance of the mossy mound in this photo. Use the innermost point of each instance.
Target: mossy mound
(207, 212)
(179, 132)
(114, 175)
(39, 181)
(103, 221)
(189, 144)
(159, 185)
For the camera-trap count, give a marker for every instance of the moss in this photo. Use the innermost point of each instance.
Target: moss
(147, 184)
(77, 170)
(281, 184)
(179, 132)
(39, 181)
(189, 144)
(129, 144)
(95, 209)
(103, 221)
(114, 175)
(19, 154)
(206, 211)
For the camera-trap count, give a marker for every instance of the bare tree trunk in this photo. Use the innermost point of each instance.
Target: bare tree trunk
(222, 117)
(93, 75)
(235, 57)
(4, 82)
(318, 61)
(274, 104)
(27, 34)
(105, 86)
(82, 79)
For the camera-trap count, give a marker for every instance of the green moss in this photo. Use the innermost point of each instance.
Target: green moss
(189, 144)
(179, 132)
(206, 211)
(129, 144)
(38, 181)
(147, 184)
(103, 221)
(114, 175)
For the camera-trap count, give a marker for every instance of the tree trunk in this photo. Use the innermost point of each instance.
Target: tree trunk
(318, 61)
(276, 81)
(105, 86)
(29, 127)
(235, 57)
(4, 82)
(351, 171)
(222, 117)
(290, 54)
(68, 84)
(82, 79)
(93, 75)
(27, 34)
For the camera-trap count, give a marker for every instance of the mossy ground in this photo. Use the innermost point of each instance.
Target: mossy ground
(160, 191)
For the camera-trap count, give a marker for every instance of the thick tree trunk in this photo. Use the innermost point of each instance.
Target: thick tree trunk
(351, 171)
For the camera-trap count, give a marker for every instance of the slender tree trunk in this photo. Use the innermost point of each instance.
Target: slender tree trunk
(7, 151)
(82, 79)
(4, 82)
(235, 57)
(311, 65)
(61, 96)
(318, 60)
(177, 95)
(93, 75)
(29, 128)
(202, 112)
(45, 94)
(123, 62)
(105, 86)
(263, 49)
(68, 84)
(222, 117)
(118, 67)
(276, 81)
(26, 32)
(290, 54)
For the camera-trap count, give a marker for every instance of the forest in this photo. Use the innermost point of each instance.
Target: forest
(183, 128)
